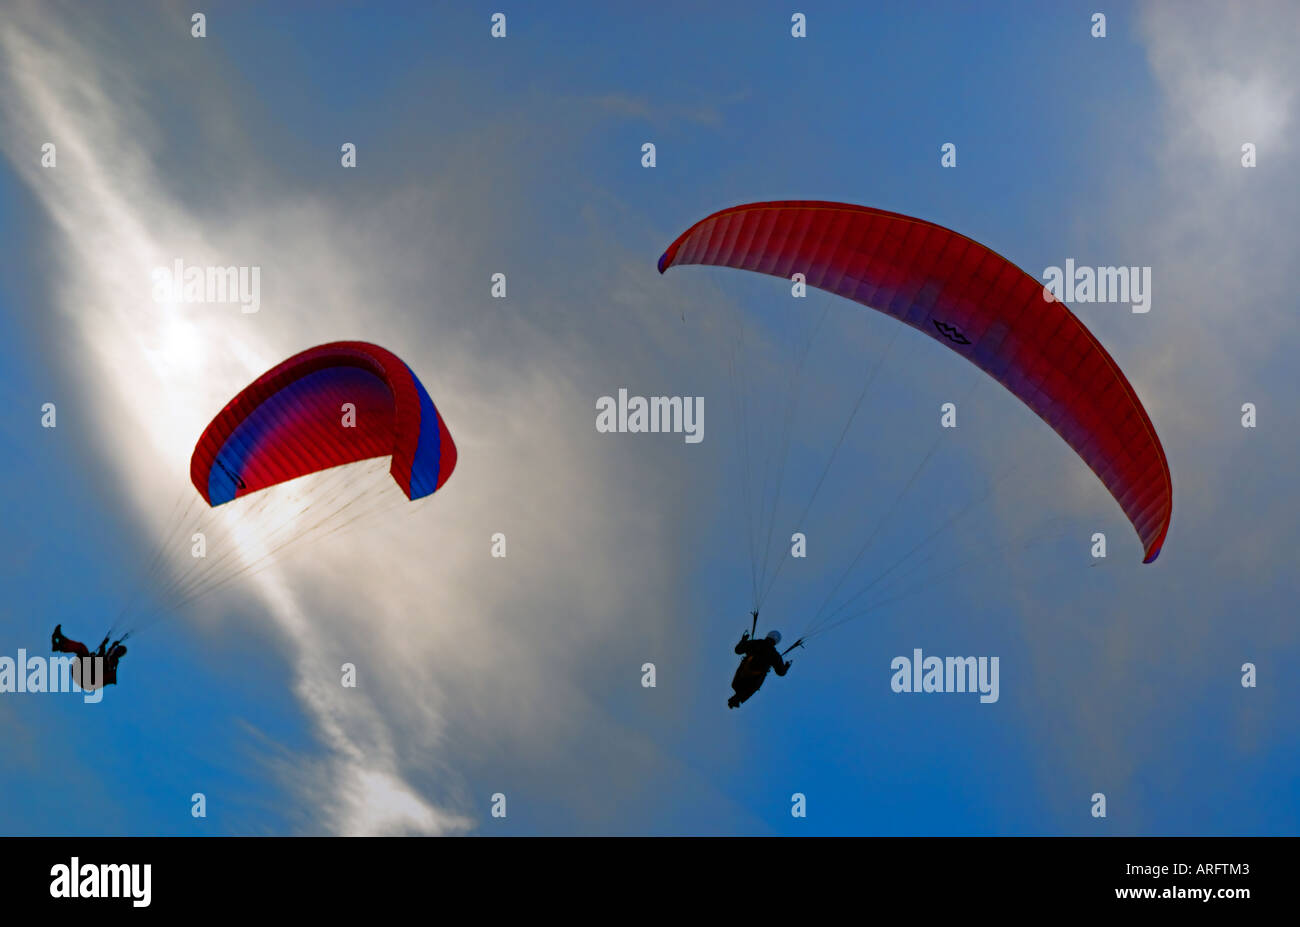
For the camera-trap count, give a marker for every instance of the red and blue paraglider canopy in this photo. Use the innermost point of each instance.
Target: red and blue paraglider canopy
(333, 404)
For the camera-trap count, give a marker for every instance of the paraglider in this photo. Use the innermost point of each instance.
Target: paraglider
(328, 408)
(968, 299)
(760, 657)
(87, 671)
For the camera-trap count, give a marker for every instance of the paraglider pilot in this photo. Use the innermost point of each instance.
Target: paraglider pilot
(109, 653)
(760, 656)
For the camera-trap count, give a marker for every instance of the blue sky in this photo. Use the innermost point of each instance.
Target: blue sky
(522, 676)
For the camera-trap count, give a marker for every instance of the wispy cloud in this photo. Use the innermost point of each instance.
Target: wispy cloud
(442, 634)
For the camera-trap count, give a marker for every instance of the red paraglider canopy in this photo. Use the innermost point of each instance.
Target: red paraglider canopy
(970, 300)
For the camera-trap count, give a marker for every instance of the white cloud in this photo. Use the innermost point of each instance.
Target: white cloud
(436, 627)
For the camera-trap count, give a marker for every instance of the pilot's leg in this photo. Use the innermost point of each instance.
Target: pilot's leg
(63, 644)
(744, 687)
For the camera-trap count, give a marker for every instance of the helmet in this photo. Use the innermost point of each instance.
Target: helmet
(774, 636)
